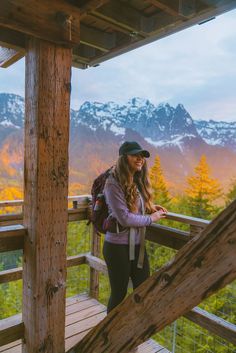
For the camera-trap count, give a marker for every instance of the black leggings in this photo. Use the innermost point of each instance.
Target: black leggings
(120, 268)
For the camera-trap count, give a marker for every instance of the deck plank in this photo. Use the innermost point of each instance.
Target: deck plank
(10, 345)
(83, 313)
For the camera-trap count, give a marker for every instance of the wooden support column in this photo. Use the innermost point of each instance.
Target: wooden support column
(48, 75)
(94, 274)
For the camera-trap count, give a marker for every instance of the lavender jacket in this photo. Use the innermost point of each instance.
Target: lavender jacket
(117, 206)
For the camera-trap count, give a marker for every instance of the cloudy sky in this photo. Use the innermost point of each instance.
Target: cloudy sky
(195, 67)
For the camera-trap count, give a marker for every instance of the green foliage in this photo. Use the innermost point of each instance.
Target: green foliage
(78, 242)
(189, 337)
(231, 195)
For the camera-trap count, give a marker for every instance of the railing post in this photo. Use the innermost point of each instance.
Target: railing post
(94, 275)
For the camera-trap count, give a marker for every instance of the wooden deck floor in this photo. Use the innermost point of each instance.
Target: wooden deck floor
(83, 313)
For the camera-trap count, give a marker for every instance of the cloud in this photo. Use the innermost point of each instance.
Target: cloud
(195, 67)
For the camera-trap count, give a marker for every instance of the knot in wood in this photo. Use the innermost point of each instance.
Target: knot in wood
(199, 261)
(165, 278)
(68, 87)
(46, 345)
(137, 298)
(65, 20)
(51, 289)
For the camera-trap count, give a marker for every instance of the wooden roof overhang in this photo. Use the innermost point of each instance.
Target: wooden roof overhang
(98, 29)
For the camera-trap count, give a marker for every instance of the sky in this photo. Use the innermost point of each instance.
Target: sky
(195, 67)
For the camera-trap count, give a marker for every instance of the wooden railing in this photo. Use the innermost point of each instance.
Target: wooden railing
(12, 235)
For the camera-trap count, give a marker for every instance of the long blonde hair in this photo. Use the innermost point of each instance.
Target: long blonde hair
(132, 183)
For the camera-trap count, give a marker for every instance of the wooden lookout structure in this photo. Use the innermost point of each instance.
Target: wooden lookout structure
(53, 36)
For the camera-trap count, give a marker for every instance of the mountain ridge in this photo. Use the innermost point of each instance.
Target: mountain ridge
(160, 124)
(97, 129)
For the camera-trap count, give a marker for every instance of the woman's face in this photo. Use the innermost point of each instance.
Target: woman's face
(135, 161)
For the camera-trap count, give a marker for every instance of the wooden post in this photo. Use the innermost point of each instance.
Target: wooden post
(48, 74)
(94, 275)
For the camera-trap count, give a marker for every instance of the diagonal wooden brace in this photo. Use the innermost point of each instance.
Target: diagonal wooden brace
(204, 265)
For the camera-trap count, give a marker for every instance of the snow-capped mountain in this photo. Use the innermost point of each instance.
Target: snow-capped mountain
(161, 126)
(217, 132)
(12, 109)
(97, 129)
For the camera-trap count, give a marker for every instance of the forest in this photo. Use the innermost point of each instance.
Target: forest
(203, 198)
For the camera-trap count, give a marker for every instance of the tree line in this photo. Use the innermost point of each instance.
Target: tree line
(198, 200)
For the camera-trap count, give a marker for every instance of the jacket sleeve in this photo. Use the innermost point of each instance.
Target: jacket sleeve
(116, 202)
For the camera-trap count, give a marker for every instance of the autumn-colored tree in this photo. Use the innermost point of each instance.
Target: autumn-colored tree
(159, 186)
(203, 191)
(231, 195)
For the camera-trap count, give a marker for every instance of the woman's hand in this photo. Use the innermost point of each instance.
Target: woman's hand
(156, 216)
(160, 208)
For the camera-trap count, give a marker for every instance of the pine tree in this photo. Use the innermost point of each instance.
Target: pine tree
(231, 195)
(203, 191)
(159, 186)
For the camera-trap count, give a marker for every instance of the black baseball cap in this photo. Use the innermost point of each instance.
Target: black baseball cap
(132, 147)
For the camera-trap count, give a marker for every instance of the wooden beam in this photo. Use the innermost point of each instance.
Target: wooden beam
(12, 39)
(12, 238)
(199, 222)
(208, 259)
(11, 329)
(91, 5)
(187, 8)
(96, 263)
(166, 236)
(47, 114)
(97, 39)
(55, 21)
(122, 15)
(82, 200)
(76, 260)
(12, 218)
(13, 274)
(73, 215)
(156, 31)
(9, 56)
(213, 324)
(16, 273)
(169, 6)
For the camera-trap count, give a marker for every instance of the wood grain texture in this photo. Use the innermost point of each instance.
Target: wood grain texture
(48, 75)
(12, 238)
(16, 273)
(208, 259)
(11, 329)
(56, 21)
(213, 324)
(9, 56)
(170, 237)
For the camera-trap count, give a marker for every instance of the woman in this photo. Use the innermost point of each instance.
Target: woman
(127, 194)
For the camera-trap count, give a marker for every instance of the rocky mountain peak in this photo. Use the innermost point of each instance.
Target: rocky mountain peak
(160, 125)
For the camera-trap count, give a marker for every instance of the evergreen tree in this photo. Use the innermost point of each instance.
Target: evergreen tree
(203, 191)
(159, 186)
(231, 195)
